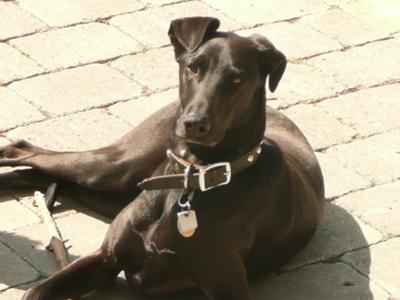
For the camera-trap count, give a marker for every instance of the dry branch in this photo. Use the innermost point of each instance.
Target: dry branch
(56, 243)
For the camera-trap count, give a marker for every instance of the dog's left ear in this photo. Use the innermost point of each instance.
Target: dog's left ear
(187, 34)
(273, 61)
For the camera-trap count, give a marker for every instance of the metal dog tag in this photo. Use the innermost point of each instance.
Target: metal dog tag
(187, 223)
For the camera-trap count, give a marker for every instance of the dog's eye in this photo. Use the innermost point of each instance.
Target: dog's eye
(194, 68)
(237, 80)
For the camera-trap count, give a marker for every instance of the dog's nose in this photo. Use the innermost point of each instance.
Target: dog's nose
(196, 125)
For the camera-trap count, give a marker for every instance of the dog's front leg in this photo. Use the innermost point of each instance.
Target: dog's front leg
(116, 168)
(221, 276)
(81, 276)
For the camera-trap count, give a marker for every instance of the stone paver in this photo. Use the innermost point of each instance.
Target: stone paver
(339, 232)
(4, 141)
(308, 41)
(385, 16)
(65, 12)
(150, 27)
(376, 158)
(12, 294)
(321, 129)
(254, 12)
(23, 112)
(346, 29)
(384, 269)
(14, 270)
(76, 45)
(371, 64)
(322, 281)
(83, 131)
(10, 21)
(30, 242)
(302, 83)
(384, 199)
(14, 214)
(366, 121)
(135, 111)
(159, 2)
(334, 172)
(155, 69)
(77, 89)
(14, 65)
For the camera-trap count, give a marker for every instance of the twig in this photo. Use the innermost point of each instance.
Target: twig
(56, 243)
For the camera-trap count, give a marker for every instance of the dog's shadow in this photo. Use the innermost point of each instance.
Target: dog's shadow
(318, 272)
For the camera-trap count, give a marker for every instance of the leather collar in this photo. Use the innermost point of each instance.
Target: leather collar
(202, 177)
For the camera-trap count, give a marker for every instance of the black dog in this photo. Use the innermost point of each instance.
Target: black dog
(226, 204)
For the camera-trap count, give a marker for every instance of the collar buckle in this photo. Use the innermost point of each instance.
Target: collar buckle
(203, 174)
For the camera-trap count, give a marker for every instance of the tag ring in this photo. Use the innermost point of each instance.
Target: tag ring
(188, 170)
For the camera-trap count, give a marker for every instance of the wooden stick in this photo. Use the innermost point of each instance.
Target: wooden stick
(56, 243)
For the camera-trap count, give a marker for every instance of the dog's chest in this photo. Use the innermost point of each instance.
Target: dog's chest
(224, 214)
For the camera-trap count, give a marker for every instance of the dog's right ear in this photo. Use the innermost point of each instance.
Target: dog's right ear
(187, 34)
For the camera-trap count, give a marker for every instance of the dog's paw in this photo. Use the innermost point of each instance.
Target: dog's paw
(14, 152)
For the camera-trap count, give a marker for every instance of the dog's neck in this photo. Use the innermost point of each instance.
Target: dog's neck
(237, 141)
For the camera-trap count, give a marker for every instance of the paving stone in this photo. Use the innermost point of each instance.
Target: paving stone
(81, 131)
(334, 173)
(332, 23)
(159, 2)
(20, 111)
(308, 41)
(322, 281)
(77, 89)
(14, 270)
(368, 111)
(338, 233)
(65, 12)
(378, 206)
(356, 67)
(3, 141)
(254, 12)
(14, 214)
(14, 65)
(135, 111)
(150, 27)
(321, 129)
(383, 271)
(84, 233)
(10, 21)
(76, 45)
(302, 83)
(156, 69)
(12, 294)
(383, 14)
(376, 158)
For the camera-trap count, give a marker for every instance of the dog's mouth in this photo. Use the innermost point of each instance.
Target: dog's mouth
(209, 141)
(208, 144)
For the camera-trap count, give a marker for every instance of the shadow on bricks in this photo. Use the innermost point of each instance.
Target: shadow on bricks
(318, 272)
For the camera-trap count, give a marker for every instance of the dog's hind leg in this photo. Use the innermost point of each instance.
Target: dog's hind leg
(81, 276)
(122, 249)
(116, 168)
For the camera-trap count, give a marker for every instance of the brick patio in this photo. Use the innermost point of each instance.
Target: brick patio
(83, 72)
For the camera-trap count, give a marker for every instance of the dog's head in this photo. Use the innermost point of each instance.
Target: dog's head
(221, 78)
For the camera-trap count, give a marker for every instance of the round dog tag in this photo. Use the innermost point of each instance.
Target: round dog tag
(187, 223)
